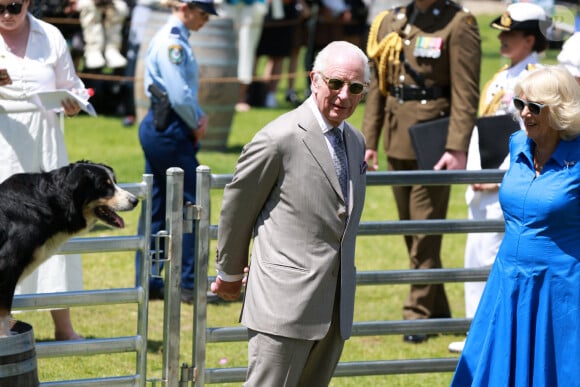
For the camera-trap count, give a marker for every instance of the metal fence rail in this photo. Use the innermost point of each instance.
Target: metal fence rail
(205, 232)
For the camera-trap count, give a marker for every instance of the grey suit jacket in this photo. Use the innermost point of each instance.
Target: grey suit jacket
(285, 195)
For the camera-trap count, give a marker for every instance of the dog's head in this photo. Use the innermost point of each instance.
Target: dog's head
(95, 192)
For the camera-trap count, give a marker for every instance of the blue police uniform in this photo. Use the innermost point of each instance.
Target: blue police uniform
(171, 65)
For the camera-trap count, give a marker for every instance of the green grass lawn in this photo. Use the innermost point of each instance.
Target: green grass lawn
(105, 140)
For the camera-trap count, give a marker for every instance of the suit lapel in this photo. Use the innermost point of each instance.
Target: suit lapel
(316, 143)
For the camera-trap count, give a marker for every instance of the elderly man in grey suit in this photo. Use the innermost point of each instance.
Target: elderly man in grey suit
(298, 192)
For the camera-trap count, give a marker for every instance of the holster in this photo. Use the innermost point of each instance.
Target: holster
(161, 108)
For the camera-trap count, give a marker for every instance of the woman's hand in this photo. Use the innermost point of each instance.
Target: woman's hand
(71, 107)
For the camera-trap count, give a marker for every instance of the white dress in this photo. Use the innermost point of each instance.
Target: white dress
(481, 248)
(32, 140)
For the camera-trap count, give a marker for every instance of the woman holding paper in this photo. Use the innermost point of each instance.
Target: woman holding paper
(36, 58)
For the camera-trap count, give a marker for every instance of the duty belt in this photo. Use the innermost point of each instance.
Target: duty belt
(416, 93)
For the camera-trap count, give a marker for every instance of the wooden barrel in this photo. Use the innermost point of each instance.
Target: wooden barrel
(214, 46)
(151, 20)
(18, 357)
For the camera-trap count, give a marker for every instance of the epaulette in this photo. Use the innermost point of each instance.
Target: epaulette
(175, 31)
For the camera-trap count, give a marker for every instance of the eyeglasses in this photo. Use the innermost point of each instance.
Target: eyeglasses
(12, 8)
(337, 84)
(534, 107)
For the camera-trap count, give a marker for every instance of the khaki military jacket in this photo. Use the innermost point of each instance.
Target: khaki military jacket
(443, 48)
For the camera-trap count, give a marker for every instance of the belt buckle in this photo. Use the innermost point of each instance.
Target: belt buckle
(401, 94)
(424, 95)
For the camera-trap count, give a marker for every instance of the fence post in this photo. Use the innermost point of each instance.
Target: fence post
(143, 315)
(172, 305)
(202, 238)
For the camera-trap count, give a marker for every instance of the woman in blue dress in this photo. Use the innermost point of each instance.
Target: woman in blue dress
(526, 331)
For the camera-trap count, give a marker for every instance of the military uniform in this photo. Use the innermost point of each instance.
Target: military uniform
(425, 66)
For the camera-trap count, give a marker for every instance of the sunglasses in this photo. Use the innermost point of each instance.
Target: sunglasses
(534, 107)
(12, 8)
(337, 84)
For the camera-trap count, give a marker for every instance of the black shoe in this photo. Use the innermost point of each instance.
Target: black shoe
(187, 296)
(213, 298)
(156, 294)
(415, 339)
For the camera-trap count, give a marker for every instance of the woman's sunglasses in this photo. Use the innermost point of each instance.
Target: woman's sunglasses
(337, 84)
(12, 8)
(534, 107)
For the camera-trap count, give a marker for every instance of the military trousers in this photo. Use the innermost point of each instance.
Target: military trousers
(422, 202)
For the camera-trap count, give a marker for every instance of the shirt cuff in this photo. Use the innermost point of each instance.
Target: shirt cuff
(229, 277)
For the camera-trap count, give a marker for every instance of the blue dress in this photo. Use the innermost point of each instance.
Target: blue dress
(526, 331)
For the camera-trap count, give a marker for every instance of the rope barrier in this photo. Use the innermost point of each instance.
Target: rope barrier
(125, 78)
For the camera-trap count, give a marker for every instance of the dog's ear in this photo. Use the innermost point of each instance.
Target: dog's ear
(78, 184)
(90, 164)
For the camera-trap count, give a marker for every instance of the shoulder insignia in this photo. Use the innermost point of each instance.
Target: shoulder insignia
(176, 54)
(531, 66)
(470, 20)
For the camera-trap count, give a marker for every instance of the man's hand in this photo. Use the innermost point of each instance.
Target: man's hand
(451, 159)
(371, 159)
(229, 291)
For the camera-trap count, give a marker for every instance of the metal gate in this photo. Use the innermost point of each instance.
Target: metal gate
(205, 231)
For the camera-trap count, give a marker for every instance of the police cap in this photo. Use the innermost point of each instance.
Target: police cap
(205, 5)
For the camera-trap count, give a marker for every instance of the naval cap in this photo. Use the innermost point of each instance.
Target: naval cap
(521, 17)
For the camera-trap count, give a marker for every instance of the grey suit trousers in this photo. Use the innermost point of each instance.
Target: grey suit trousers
(293, 362)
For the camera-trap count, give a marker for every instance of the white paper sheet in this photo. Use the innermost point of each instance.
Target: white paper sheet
(52, 100)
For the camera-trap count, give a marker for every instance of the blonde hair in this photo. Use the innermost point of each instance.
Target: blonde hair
(555, 87)
(170, 3)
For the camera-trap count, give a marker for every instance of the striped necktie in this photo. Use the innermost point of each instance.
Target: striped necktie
(339, 159)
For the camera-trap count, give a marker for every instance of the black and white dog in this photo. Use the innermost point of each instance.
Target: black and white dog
(41, 211)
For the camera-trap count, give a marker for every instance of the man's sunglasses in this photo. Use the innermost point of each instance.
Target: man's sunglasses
(337, 84)
(12, 8)
(534, 107)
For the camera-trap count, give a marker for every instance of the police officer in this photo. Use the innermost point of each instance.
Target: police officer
(426, 65)
(170, 131)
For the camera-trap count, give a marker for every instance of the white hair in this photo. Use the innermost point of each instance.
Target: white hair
(556, 87)
(343, 48)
